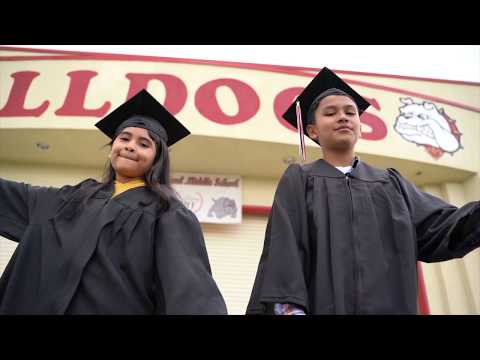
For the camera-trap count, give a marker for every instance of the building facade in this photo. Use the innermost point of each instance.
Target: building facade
(427, 129)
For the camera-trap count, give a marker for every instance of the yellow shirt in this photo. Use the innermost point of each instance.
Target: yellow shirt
(121, 187)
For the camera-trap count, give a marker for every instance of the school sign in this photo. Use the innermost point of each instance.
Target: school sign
(427, 121)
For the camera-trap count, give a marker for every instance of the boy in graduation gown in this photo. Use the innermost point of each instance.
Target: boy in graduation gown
(125, 245)
(344, 237)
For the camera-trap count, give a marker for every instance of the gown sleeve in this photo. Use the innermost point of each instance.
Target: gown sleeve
(185, 285)
(19, 203)
(282, 275)
(443, 231)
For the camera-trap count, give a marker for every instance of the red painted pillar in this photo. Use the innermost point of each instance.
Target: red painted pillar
(424, 309)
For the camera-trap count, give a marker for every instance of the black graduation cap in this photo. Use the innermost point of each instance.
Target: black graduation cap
(297, 114)
(144, 111)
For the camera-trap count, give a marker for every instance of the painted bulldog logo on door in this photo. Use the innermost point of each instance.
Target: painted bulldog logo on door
(426, 125)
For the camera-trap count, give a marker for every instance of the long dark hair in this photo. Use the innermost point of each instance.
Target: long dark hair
(157, 180)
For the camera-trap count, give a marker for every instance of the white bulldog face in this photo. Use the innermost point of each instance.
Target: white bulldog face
(424, 124)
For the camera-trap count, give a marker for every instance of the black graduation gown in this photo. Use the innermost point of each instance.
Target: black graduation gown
(348, 244)
(117, 255)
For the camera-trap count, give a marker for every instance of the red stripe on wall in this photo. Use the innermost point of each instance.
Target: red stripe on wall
(422, 292)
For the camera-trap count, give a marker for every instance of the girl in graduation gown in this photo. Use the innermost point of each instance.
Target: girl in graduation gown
(122, 246)
(343, 237)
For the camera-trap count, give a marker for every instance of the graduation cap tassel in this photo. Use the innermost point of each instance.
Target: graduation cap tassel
(301, 149)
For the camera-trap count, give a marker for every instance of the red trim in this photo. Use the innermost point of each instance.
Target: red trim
(42, 57)
(256, 210)
(412, 93)
(403, 77)
(117, 57)
(106, 56)
(422, 292)
(15, 48)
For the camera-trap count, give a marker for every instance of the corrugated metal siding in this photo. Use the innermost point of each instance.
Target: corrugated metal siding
(234, 252)
(453, 287)
(7, 248)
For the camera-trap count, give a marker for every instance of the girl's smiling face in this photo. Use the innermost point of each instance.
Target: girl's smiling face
(132, 154)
